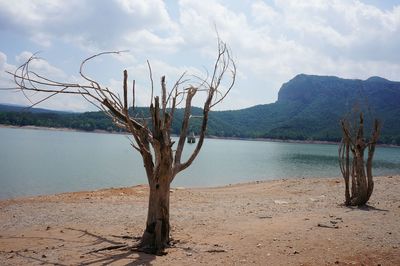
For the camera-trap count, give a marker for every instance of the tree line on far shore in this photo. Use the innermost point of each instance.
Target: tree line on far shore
(218, 127)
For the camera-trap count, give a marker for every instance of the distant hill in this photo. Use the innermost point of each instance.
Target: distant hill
(309, 107)
(19, 108)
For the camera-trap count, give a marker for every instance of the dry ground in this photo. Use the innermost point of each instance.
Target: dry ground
(282, 222)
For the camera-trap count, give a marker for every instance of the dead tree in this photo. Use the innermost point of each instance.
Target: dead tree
(351, 160)
(151, 137)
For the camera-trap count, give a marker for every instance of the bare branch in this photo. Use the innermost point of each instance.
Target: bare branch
(151, 80)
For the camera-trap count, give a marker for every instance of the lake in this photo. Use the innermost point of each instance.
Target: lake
(37, 162)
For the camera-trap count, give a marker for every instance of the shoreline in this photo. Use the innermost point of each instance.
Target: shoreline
(278, 222)
(145, 185)
(207, 137)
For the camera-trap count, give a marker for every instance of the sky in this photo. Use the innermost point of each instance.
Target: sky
(271, 42)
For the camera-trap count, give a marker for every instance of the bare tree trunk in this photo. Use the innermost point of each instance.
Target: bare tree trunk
(362, 183)
(156, 236)
(371, 151)
(360, 196)
(347, 175)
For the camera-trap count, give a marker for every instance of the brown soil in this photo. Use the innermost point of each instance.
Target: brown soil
(282, 222)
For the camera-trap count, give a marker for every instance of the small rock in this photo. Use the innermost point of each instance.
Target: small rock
(337, 262)
(44, 256)
(11, 256)
(258, 245)
(188, 254)
(296, 252)
(81, 256)
(280, 202)
(61, 231)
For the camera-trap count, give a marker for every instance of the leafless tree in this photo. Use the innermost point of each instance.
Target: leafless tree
(351, 160)
(151, 137)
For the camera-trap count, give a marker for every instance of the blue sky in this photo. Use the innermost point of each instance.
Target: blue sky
(272, 41)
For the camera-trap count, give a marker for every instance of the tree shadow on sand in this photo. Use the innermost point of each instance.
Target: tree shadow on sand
(366, 208)
(117, 251)
(98, 250)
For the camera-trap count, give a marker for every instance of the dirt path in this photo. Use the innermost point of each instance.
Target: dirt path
(283, 222)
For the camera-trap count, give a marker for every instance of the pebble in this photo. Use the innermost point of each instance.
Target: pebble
(280, 202)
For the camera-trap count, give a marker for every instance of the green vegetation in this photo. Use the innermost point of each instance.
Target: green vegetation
(308, 108)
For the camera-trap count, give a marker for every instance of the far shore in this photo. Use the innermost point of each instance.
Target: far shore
(208, 137)
(280, 222)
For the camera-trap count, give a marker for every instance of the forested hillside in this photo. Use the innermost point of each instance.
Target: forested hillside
(308, 108)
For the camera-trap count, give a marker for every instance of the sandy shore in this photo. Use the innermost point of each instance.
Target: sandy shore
(282, 222)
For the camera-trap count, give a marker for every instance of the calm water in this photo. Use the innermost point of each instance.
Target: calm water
(34, 162)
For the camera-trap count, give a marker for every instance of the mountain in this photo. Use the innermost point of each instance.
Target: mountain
(19, 108)
(309, 107)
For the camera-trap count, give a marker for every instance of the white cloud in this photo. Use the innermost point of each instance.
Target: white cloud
(271, 40)
(91, 25)
(146, 41)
